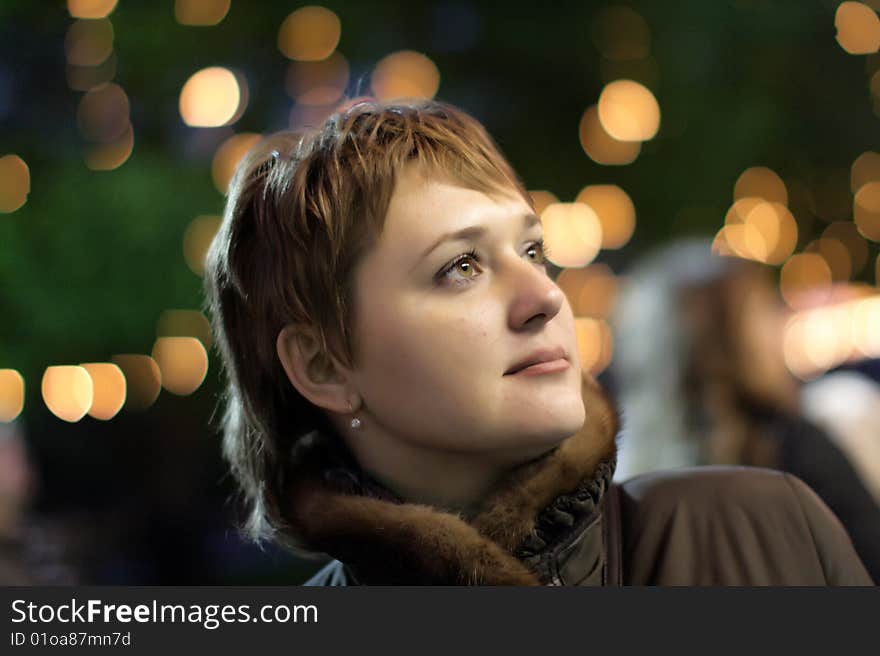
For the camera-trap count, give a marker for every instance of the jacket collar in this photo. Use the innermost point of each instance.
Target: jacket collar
(540, 525)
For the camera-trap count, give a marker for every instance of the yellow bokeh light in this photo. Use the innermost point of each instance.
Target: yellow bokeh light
(621, 34)
(866, 210)
(615, 210)
(318, 83)
(405, 74)
(591, 291)
(227, 157)
(213, 97)
(15, 183)
(541, 199)
(11, 394)
(858, 28)
(794, 349)
(865, 169)
(108, 383)
(847, 234)
(835, 255)
(309, 34)
(109, 156)
(759, 230)
(572, 233)
(183, 362)
(197, 239)
(83, 78)
(600, 146)
(103, 113)
(628, 111)
(595, 344)
(866, 319)
(67, 392)
(822, 338)
(760, 182)
(200, 12)
(143, 380)
(89, 42)
(805, 279)
(90, 8)
(184, 323)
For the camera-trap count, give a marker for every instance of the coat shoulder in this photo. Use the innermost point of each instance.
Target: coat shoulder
(732, 526)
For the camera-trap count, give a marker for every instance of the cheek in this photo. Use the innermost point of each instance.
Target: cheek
(428, 356)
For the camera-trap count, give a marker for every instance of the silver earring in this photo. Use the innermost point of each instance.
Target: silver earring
(355, 422)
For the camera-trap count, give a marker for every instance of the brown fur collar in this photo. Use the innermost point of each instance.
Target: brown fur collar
(386, 541)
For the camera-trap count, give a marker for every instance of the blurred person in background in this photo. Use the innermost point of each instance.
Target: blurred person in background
(701, 380)
(404, 393)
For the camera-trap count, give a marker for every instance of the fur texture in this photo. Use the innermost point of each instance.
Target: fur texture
(390, 543)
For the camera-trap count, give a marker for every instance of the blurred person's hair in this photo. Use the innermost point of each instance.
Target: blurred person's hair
(302, 208)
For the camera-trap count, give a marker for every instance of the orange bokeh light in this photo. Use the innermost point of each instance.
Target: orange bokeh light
(11, 394)
(572, 233)
(600, 146)
(405, 74)
(67, 392)
(309, 34)
(629, 111)
(108, 383)
(615, 210)
(183, 362)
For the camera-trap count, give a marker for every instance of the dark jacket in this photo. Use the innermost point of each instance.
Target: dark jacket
(559, 520)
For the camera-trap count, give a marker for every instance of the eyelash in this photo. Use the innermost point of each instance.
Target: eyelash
(472, 255)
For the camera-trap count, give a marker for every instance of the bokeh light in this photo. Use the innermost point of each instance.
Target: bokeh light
(67, 392)
(865, 169)
(228, 156)
(858, 28)
(83, 78)
(866, 319)
(200, 12)
(309, 34)
(760, 182)
(835, 255)
(615, 210)
(90, 8)
(103, 113)
(184, 323)
(109, 156)
(108, 383)
(143, 380)
(11, 394)
(600, 146)
(621, 34)
(572, 233)
(15, 183)
(595, 344)
(541, 198)
(758, 230)
(628, 111)
(847, 234)
(866, 210)
(213, 97)
(405, 74)
(89, 42)
(197, 239)
(304, 116)
(183, 362)
(805, 280)
(318, 83)
(591, 290)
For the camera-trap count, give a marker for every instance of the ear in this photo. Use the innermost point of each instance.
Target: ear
(315, 374)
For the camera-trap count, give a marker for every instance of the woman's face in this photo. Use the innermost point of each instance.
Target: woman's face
(453, 297)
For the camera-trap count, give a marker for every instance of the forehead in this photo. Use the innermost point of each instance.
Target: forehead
(425, 205)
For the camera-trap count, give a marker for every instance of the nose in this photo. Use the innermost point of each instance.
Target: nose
(535, 298)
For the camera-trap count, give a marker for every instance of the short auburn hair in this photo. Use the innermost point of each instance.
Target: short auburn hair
(302, 209)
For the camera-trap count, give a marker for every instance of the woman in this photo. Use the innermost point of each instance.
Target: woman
(404, 393)
(727, 395)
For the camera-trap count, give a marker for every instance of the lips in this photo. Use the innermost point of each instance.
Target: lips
(544, 355)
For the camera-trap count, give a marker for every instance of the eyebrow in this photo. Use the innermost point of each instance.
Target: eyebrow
(472, 232)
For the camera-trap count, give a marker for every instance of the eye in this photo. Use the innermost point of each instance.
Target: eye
(537, 252)
(462, 269)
